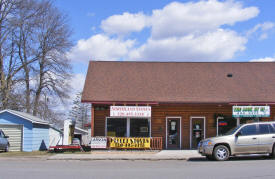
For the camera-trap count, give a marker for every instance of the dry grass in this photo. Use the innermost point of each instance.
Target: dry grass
(25, 154)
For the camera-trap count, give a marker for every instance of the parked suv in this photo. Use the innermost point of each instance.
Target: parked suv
(4, 143)
(253, 138)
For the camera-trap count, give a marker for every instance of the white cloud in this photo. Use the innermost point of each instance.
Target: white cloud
(261, 30)
(214, 46)
(77, 82)
(124, 24)
(194, 31)
(100, 47)
(178, 19)
(266, 59)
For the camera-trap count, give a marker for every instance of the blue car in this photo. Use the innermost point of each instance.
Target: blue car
(4, 143)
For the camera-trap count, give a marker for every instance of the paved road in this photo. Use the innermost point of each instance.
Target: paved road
(194, 168)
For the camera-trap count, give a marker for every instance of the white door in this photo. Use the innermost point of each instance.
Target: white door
(15, 136)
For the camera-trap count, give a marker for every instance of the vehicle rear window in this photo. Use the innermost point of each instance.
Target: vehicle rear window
(264, 128)
(249, 130)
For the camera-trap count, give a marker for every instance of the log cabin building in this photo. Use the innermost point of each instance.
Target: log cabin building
(182, 102)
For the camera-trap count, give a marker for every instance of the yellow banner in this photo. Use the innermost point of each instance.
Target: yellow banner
(128, 142)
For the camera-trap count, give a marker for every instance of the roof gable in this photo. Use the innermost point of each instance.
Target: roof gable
(26, 116)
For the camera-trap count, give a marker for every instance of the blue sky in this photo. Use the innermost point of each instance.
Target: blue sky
(164, 30)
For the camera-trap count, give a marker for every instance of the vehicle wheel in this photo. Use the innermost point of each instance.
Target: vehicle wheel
(7, 148)
(209, 157)
(221, 153)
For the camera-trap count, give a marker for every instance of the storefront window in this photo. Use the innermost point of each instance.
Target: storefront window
(139, 127)
(225, 124)
(117, 127)
(128, 127)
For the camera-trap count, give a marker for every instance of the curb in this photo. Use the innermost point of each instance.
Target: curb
(92, 159)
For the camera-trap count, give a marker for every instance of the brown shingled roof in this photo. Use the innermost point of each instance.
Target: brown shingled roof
(179, 82)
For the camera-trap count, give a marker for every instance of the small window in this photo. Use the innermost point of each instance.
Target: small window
(264, 128)
(229, 75)
(249, 130)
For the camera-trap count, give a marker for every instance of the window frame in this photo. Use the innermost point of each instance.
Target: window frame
(128, 124)
(106, 124)
(137, 119)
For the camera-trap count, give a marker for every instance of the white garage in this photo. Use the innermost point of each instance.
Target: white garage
(15, 136)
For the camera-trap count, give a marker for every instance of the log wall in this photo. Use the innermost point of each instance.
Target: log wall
(160, 112)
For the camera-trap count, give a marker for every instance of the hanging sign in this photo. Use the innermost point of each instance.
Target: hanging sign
(130, 111)
(99, 142)
(251, 111)
(130, 143)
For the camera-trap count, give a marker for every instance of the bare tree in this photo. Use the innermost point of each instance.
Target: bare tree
(8, 63)
(53, 67)
(34, 39)
(26, 24)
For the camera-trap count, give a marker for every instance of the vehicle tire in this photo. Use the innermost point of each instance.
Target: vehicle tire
(7, 148)
(272, 155)
(221, 153)
(209, 157)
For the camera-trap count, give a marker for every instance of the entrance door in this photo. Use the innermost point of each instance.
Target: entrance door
(197, 131)
(173, 133)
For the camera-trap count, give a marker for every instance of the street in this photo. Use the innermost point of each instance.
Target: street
(255, 167)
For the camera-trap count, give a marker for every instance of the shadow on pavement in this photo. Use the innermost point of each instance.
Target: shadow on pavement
(238, 158)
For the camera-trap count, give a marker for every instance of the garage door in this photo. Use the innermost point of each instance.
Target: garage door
(15, 136)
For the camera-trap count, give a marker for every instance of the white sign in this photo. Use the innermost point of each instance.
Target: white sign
(251, 111)
(130, 111)
(99, 142)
